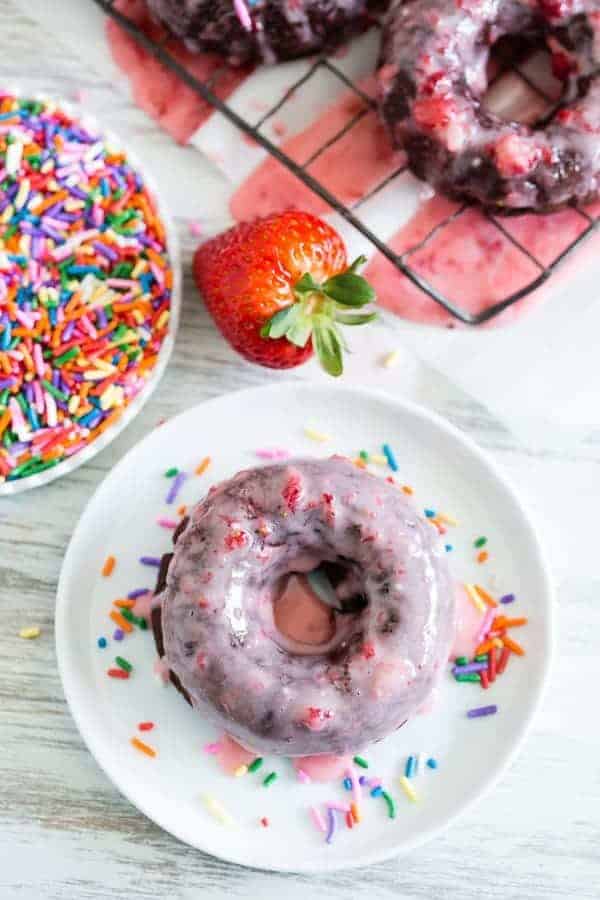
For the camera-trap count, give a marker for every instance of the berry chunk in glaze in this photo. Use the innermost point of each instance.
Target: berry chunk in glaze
(280, 29)
(432, 78)
(216, 618)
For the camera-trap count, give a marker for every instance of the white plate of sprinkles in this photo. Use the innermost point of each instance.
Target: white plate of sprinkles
(165, 758)
(89, 289)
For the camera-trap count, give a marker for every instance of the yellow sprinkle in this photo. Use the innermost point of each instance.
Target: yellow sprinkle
(217, 810)
(477, 601)
(446, 519)
(140, 267)
(408, 788)
(29, 633)
(391, 359)
(94, 375)
(315, 435)
(241, 770)
(106, 367)
(378, 459)
(162, 319)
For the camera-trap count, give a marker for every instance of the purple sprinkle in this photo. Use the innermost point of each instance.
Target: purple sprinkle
(139, 592)
(6, 383)
(118, 634)
(362, 780)
(68, 331)
(330, 825)
(482, 711)
(508, 598)
(470, 667)
(150, 561)
(106, 251)
(175, 487)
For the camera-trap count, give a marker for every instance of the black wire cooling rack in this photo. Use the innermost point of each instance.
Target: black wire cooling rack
(206, 90)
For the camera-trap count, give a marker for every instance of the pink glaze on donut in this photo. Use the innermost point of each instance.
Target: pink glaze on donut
(393, 626)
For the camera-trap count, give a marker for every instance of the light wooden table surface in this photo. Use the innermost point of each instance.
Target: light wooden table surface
(65, 832)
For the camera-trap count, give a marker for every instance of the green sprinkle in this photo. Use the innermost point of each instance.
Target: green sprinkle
(483, 657)
(364, 455)
(390, 804)
(256, 764)
(269, 779)
(70, 354)
(468, 676)
(461, 660)
(123, 664)
(142, 624)
(361, 762)
(54, 391)
(127, 614)
(171, 473)
(480, 542)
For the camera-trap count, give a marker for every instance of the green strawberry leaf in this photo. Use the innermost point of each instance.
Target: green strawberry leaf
(300, 331)
(358, 319)
(306, 285)
(349, 289)
(278, 325)
(328, 348)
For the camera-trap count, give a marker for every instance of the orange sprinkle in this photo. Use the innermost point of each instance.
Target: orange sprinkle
(360, 463)
(120, 621)
(109, 566)
(483, 556)
(503, 622)
(485, 596)
(126, 603)
(355, 812)
(487, 646)
(407, 489)
(201, 469)
(512, 645)
(49, 201)
(4, 421)
(142, 747)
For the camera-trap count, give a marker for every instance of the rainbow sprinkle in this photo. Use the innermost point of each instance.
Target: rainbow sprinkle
(85, 286)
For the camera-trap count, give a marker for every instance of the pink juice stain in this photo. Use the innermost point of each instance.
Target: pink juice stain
(349, 167)
(143, 606)
(323, 768)
(231, 755)
(468, 622)
(157, 90)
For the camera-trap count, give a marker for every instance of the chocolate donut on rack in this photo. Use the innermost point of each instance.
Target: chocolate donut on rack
(433, 77)
(291, 673)
(245, 31)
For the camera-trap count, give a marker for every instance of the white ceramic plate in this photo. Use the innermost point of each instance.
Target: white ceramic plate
(131, 411)
(448, 472)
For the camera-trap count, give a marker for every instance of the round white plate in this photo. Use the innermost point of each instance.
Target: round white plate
(448, 472)
(134, 408)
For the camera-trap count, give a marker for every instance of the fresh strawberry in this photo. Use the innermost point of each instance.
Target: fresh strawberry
(279, 287)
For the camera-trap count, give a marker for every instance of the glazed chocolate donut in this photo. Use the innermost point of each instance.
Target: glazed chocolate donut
(216, 618)
(432, 78)
(275, 29)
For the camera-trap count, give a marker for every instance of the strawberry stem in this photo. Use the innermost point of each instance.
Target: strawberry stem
(318, 310)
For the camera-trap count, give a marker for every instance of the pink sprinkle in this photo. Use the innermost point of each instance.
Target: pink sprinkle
(303, 776)
(195, 229)
(166, 523)
(215, 747)
(241, 11)
(339, 807)
(273, 453)
(485, 625)
(318, 819)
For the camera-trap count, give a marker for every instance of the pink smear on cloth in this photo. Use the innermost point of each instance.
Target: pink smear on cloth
(353, 165)
(323, 768)
(473, 264)
(157, 90)
(232, 755)
(468, 623)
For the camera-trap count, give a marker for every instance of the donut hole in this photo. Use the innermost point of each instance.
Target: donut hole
(521, 86)
(306, 607)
